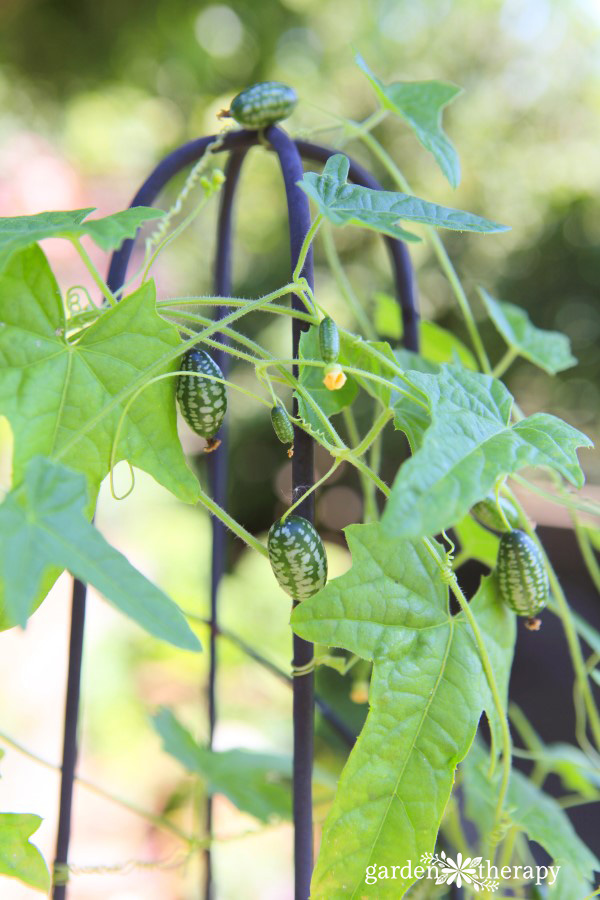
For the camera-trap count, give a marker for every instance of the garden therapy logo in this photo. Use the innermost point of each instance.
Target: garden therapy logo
(473, 872)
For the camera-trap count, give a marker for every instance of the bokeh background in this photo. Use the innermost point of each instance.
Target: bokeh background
(91, 96)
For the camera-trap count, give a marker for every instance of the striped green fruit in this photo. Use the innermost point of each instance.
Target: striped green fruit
(282, 425)
(522, 576)
(329, 340)
(297, 557)
(202, 401)
(486, 513)
(263, 104)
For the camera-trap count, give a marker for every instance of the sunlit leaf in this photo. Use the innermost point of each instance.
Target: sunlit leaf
(426, 696)
(469, 444)
(420, 105)
(49, 387)
(43, 524)
(256, 783)
(109, 232)
(349, 204)
(550, 350)
(18, 857)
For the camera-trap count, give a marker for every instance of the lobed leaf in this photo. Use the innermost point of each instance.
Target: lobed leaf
(468, 445)
(43, 525)
(19, 858)
(50, 386)
(109, 232)
(550, 350)
(349, 204)
(427, 694)
(420, 105)
(256, 783)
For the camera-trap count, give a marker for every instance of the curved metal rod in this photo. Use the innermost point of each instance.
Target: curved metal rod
(170, 166)
(399, 255)
(218, 469)
(302, 479)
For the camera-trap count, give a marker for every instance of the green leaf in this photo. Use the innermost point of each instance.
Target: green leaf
(477, 542)
(256, 783)
(468, 445)
(499, 626)
(530, 808)
(348, 204)
(50, 386)
(18, 857)
(440, 346)
(426, 696)
(550, 350)
(357, 353)
(19, 232)
(43, 524)
(420, 104)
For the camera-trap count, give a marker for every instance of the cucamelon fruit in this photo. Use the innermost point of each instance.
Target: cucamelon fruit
(297, 557)
(522, 576)
(202, 401)
(329, 340)
(486, 513)
(282, 425)
(263, 104)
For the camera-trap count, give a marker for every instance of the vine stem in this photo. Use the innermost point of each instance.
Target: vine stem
(343, 283)
(98, 280)
(505, 363)
(157, 821)
(439, 249)
(164, 360)
(174, 302)
(336, 464)
(306, 245)
(497, 700)
(367, 485)
(231, 523)
(587, 551)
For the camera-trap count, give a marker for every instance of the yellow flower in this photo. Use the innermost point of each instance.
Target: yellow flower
(334, 377)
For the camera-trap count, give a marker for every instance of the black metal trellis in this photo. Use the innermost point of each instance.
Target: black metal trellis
(290, 154)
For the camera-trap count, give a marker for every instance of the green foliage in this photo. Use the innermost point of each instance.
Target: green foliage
(108, 233)
(550, 350)
(18, 857)
(311, 378)
(539, 815)
(43, 525)
(348, 204)
(420, 105)
(256, 783)
(50, 385)
(469, 444)
(427, 694)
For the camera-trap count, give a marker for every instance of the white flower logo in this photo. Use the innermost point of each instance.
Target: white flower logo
(463, 871)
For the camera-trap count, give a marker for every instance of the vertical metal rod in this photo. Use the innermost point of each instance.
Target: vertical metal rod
(218, 473)
(69, 756)
(302, 479)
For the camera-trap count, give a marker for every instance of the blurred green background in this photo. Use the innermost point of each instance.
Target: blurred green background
(91, 96)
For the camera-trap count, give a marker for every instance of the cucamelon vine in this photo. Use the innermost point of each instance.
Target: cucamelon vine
(263, 104)
(522, 576)
(297, 557)
(329, 340)
(486, 513)
(202, 401)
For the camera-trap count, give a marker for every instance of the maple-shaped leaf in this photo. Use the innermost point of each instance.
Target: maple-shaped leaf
(19, 858)
(50, 386)
(109, 232)
(420, 104)
(427, 694)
